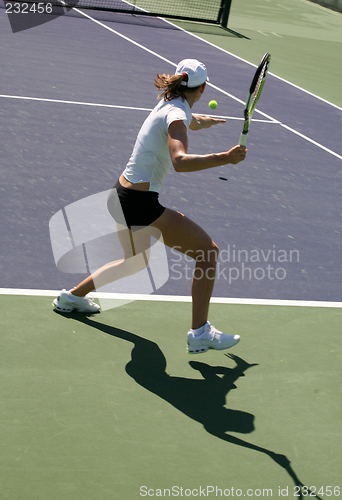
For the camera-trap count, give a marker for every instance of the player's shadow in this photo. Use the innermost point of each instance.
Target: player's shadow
(202, 400)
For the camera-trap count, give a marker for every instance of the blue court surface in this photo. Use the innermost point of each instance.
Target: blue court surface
(85, 415)
(71, 110)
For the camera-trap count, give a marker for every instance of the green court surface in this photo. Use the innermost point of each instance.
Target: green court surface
(305, 40)
(99, 407)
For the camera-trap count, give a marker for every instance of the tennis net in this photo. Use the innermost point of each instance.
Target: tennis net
(211, 11)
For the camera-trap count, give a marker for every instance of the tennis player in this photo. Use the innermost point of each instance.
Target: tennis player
(134, 203)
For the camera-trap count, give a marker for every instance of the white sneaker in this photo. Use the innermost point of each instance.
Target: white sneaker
(211, 338)
(66, 302)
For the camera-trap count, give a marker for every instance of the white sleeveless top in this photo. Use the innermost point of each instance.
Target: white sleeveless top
(150, 160)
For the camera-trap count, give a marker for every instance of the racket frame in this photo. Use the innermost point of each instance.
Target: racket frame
(254, 94)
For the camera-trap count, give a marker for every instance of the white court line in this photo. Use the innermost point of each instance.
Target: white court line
(174, 298)
(210, 84)
(119, 107)
(73, 102)
(311, 140)
(94, 104)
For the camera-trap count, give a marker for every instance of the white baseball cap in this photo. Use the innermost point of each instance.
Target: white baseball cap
(195, 73)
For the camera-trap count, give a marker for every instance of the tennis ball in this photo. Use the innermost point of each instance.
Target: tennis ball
(212, 104)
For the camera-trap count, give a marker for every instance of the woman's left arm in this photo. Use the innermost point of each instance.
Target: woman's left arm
(204, 121)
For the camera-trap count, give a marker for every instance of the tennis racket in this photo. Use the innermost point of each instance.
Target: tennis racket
(254, 94)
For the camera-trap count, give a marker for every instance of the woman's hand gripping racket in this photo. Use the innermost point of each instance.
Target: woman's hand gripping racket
(254, 94)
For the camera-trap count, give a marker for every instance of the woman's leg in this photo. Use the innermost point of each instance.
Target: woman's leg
(179, 232)
(183, 234)
(136, 247)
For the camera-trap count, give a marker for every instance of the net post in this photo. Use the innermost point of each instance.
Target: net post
(225, 13)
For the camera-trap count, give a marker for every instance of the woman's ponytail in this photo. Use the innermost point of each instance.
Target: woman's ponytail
(171, 86)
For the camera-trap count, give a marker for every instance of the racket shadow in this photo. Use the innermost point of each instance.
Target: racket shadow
(202, 400)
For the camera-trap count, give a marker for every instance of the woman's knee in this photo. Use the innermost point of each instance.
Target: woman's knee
(214, 251)
(207, 257)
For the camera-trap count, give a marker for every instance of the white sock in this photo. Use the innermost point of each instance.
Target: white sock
(198, 331)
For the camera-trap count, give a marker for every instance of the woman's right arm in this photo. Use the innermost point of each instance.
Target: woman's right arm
(184, 162)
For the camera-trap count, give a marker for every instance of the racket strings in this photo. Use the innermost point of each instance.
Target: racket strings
(257, 89)
(254, 94)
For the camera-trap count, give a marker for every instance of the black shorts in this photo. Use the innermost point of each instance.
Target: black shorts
(134, 209)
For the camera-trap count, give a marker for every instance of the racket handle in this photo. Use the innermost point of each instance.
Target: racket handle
(243, 139)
